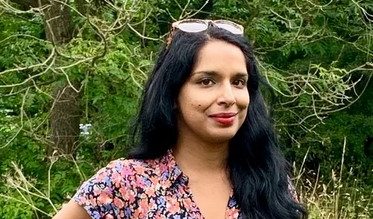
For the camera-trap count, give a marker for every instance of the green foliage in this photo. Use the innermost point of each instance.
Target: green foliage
(354, 124)
(311, 53)
(13, 209)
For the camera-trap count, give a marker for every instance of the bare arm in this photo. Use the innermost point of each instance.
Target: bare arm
(72, 210)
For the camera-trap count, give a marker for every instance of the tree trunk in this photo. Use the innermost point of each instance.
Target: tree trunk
(65, 114)
(57, 21)
(65, 119)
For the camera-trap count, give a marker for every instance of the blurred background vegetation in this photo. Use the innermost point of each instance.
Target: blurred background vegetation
(71, 75)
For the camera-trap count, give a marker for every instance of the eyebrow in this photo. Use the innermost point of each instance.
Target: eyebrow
(214, 73)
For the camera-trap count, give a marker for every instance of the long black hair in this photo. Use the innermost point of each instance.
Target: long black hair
(258, 171)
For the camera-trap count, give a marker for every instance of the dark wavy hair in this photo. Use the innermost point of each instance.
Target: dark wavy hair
(258, 171)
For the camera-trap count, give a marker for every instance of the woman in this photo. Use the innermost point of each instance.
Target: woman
(206, 145)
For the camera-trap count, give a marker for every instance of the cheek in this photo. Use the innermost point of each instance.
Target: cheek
(243, 100)
(195, 102)
(196, 107)
(190, 108)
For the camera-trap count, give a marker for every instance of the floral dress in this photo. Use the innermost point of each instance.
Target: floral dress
(129, 188)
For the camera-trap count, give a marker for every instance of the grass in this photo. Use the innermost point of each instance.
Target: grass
(336, 199)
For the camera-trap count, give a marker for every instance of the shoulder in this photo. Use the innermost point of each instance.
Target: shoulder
(115, 186)
(121, 176)
(127, 172)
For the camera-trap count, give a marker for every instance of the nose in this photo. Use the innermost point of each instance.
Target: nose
(226, 96)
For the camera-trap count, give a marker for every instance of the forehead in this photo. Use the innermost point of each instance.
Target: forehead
(218, 56)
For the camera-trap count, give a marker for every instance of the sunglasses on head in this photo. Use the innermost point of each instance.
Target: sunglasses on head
(198, 25)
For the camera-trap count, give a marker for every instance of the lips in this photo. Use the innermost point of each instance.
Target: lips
(225, 119)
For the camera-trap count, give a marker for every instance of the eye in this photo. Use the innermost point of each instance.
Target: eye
(241, 83)
(206, 82)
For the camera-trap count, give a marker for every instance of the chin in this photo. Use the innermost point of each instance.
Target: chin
(223, 136)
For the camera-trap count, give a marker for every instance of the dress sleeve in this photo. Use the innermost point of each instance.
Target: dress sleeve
(97, 195)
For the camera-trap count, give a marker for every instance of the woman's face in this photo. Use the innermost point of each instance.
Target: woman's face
(213, 101)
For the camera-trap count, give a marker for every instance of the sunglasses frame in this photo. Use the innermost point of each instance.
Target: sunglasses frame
(175, 26)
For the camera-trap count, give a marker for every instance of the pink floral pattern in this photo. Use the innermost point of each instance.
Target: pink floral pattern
(129, 188)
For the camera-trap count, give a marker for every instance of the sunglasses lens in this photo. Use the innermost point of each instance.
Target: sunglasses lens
(192, 27)
(230, 27)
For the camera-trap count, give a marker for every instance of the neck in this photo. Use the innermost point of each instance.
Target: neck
(201, 157)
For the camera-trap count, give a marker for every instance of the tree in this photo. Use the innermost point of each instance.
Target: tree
(65, 113)
(316, 58)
